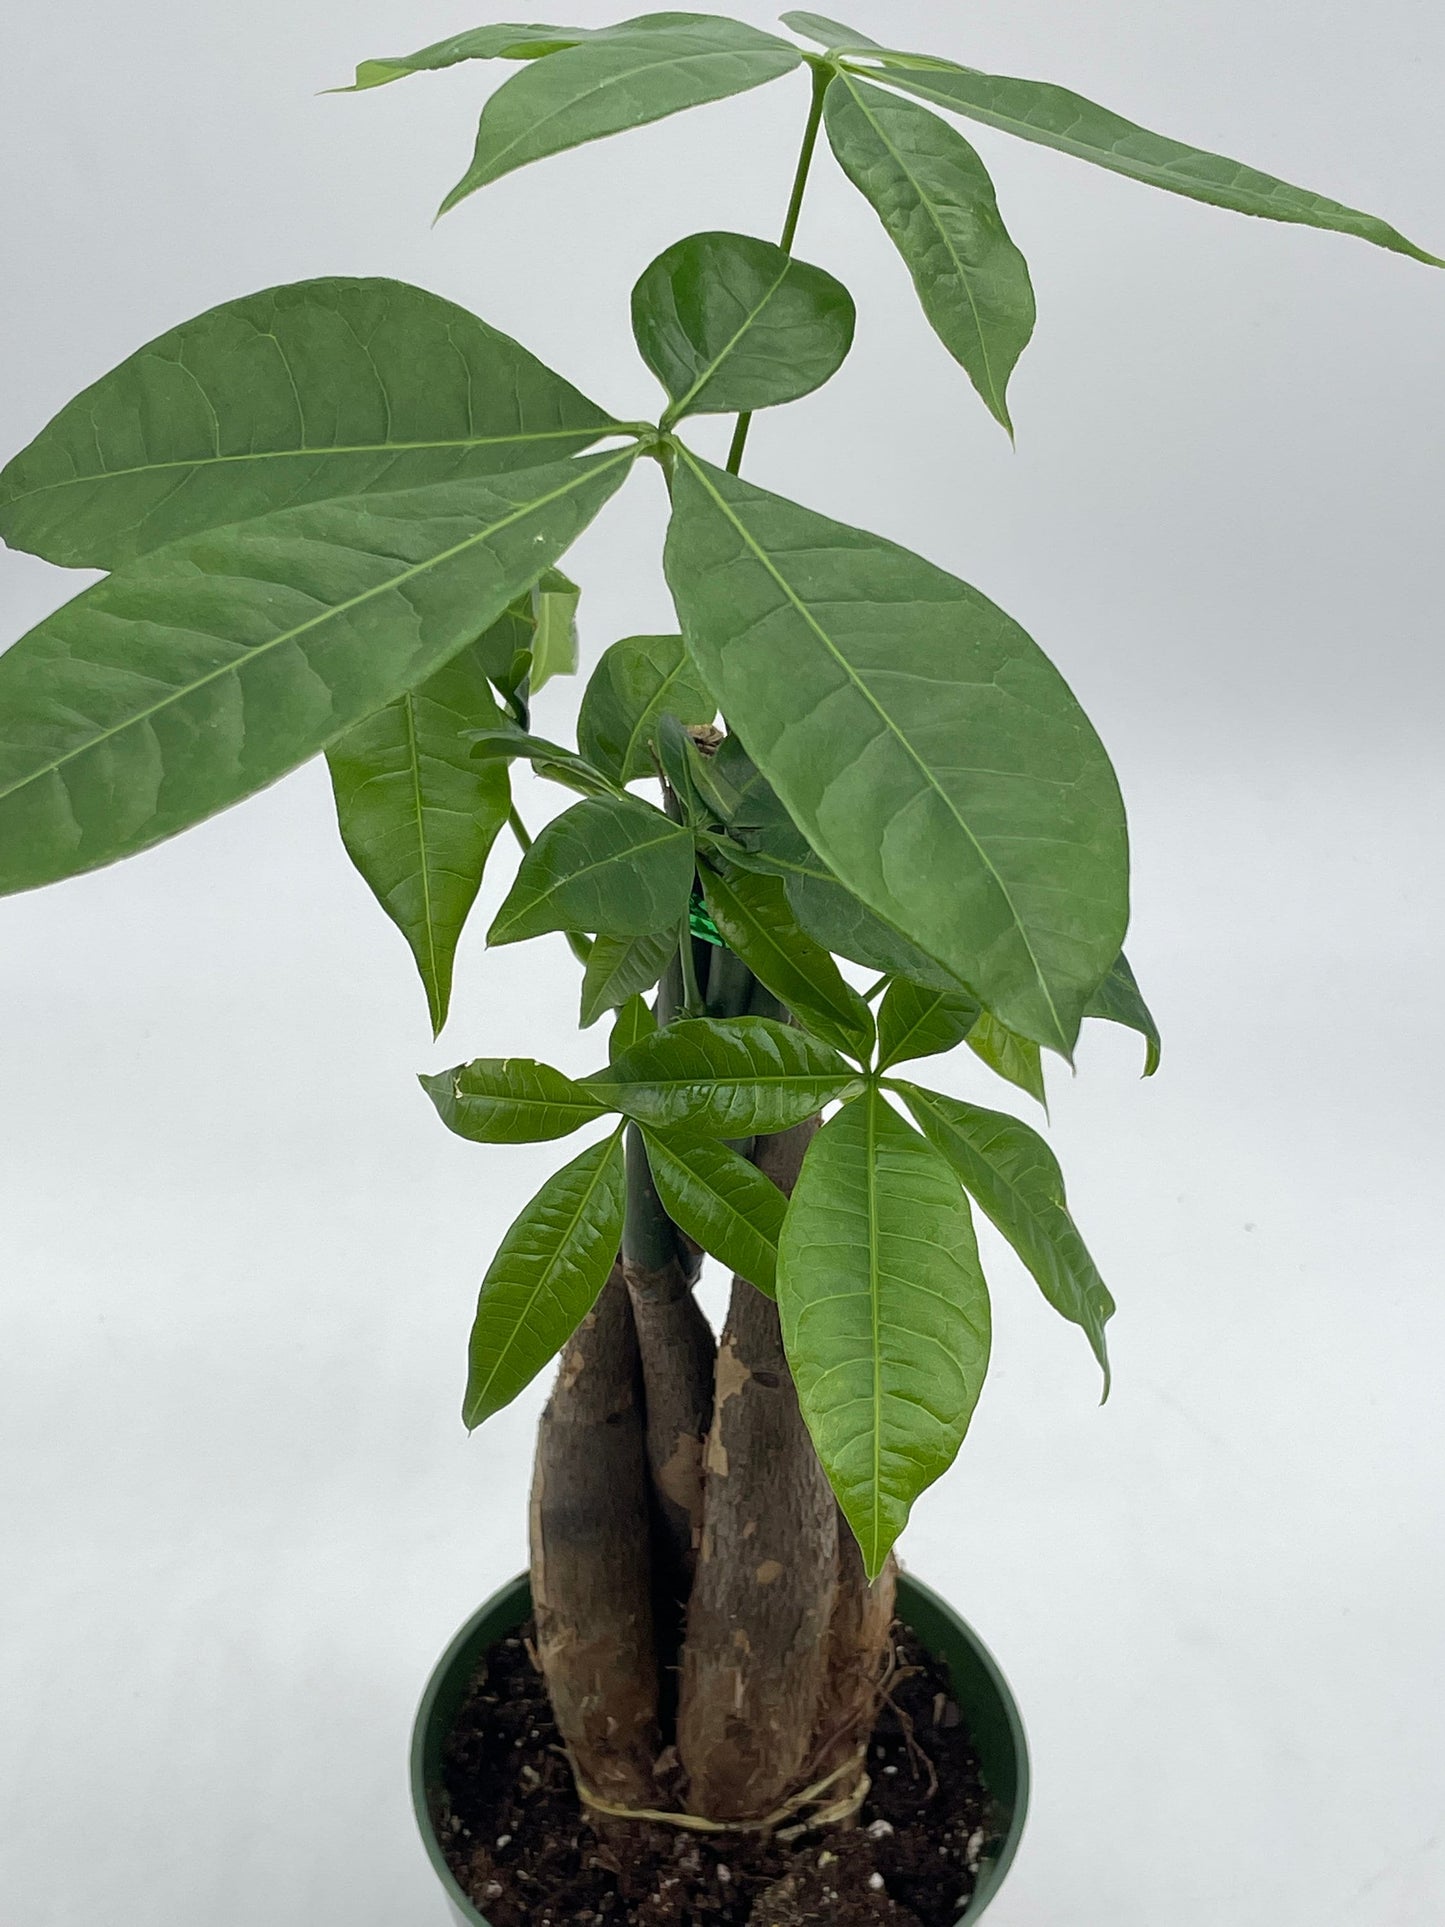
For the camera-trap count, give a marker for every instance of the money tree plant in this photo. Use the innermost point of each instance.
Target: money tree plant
(332, 515)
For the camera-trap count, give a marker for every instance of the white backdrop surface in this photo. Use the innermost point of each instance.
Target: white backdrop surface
(238, 1256)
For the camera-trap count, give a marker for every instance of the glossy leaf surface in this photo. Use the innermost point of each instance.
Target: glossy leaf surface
(917, 1021)
(1016, 1180)
(929, 751)
(727, 1078)
(198, 675)
(1119, 1000)
(721, 1201)
(1016, 1059)
(509, 1100)
(885, 1315)
(635, 1020)
(545, 1278)
(936, 201)
(621, 968)
(612, 865)
(755, 920)
(636, 682)
(1055, 117)
(305, 393)
(418, 814)
(616, 81)
(728, 324)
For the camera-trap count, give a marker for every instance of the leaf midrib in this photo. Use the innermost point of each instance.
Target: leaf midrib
(679, 406)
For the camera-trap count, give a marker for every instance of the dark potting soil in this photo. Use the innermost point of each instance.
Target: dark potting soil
(516, 1838)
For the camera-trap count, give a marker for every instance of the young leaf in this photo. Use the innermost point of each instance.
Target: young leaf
(829, 33)
(885, 1315)
(753, 919)
(1056, 117)
(728, 1078)
(304, 393)
(198, 675)
(636, 682)
(721, 1201)
(419, 815)
(916, 1021)
(505, 650)
(504, 741)
(509, 1100)
(729, 324)
(1016, 1180)
(1015, 1058)
(554, 639)
(927, 748)
(1119, 1001)
(621, 968)
(934, 196)
(635, 1020)
(612, 82)
(612, 865)
(504, 41)
(545, 1278)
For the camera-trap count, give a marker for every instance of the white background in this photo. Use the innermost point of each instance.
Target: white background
(240, 1516)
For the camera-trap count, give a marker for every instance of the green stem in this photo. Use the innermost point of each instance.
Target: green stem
(692, 1005)
(822, 75)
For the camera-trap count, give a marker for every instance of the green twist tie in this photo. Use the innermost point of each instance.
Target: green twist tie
(700, 923)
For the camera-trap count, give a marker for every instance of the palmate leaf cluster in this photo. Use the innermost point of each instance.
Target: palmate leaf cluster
(332, 515)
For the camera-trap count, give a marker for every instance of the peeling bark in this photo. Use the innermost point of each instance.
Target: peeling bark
(859, 1646)
(592, 1557)
(755, 1660)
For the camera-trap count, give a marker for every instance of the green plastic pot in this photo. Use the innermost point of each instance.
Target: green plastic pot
(979, 1687)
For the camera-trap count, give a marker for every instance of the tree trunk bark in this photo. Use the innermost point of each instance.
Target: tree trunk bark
(755, 1660)
(859, 1648)
(592, 1557)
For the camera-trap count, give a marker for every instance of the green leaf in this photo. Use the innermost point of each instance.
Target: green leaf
(505, 41)
(935, 199)
(304, 393)
(505, 650)
(837, 920)
(1015, 1058)
(614, 82)
(927, 748)
(613, 865)
(419, 816)
(510, 1100)
(725, 1077)
(1016, 1180)
(915, 1020)
(198, 675)
(554, 641)
(729, 324)
(545, 1278)
(1119, 1001)
(721, 1201)
(1054, 117)
(621, 968)
(505, 742)
(754, 920)
(885, 1315)
(635, 1020)
(828, 33)
(637, 681)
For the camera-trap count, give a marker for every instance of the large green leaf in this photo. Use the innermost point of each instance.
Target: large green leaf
(729, 324)
(298, 394)
(934, 196)
(754, 919)
(198, 675)
(915, 1020)
(931, 753)
(725, 1077)
(1119, 1000)
(636, 682)
(621, 968)
(613, 865)
(885, 1315)
(721, 1201)
(612, 82)
(510, 1100)
(504, 41)
(419, 814)
(1016, 1179)
(545, 1277)
(1055, 117)
(1016, 1059)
